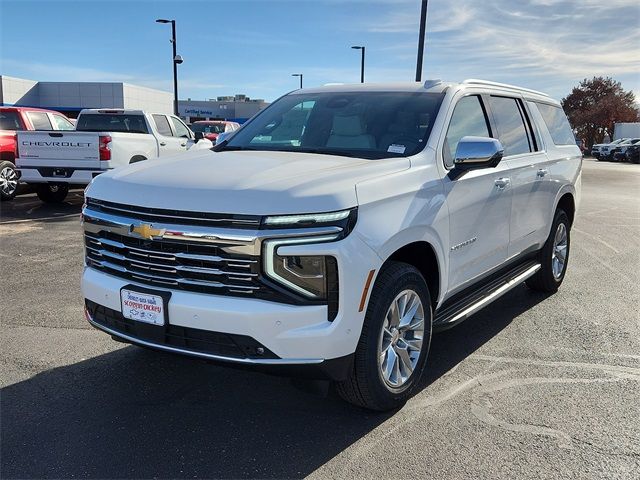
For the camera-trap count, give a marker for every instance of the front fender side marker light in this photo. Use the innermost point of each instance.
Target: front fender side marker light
(307, 218)
(365, 291)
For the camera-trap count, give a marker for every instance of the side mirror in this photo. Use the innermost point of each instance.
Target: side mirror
(478, 152)
(198, 136)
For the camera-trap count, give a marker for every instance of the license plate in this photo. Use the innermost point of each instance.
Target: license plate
(59, 172)
(142, 307)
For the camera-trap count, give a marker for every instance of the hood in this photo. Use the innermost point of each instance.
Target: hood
(243, 182)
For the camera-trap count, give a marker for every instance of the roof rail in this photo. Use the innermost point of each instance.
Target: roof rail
(475, 81)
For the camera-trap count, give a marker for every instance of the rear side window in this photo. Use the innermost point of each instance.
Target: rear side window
(162, 124)
(10, 121)
(103, 122)
(468, 119)
(557, 123)
(512, 132)
(40, 121)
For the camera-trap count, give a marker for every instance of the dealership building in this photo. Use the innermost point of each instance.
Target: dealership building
(71, 97)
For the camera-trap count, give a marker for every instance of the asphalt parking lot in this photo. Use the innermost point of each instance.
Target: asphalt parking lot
(534, 386)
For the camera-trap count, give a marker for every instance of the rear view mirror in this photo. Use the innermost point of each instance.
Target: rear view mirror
(478, 152)
(198, 136)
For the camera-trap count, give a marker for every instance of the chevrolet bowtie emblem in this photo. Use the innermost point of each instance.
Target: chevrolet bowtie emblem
(147, 231)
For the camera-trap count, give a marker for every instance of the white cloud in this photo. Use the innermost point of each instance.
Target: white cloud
(545, 44)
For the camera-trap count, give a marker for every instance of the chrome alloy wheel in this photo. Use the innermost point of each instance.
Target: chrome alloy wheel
(401, 338)
(8, 181)
(559, 255)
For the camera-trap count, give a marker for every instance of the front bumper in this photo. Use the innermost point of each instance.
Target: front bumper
(292, 335)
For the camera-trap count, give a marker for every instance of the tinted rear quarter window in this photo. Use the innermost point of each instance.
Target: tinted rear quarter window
(557, 123)
(162, 124)
(40, 121)
(101, 122)
(512, 132)
(9, 121)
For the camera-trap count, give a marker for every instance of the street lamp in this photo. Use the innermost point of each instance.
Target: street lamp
(176, 60)
(361, 62)
(298, 75)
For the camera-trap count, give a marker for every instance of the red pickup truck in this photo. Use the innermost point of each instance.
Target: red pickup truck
(13, 119)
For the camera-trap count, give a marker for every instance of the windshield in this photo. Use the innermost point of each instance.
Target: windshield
(101, 122)
(357, 124)
(208, 127)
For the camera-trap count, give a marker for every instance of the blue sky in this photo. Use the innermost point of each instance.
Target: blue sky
(253, 46)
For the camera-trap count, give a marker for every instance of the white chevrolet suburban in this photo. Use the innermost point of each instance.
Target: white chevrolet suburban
(336, 230)
(102, 140)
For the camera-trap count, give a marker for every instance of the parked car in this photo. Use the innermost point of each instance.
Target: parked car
(633, 153)
(336, 230)
(605, 150)
(212, 128)
(596, 150)
(103, 140)
(619, 152)
(13, 119)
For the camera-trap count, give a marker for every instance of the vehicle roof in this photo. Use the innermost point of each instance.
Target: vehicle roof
(432, 86)
(111, 111)
(30, 109)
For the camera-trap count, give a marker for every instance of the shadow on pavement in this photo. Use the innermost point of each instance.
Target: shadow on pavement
(134, 413)
(29, 207)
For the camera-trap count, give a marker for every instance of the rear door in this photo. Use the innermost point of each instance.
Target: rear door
(529, 172)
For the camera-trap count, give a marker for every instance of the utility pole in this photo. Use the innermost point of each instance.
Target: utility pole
(423, 27)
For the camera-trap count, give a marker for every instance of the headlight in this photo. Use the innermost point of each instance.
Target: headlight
(311, 276)
(308, 219)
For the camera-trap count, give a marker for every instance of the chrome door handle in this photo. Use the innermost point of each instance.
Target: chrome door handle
(502, 182)
(162, 144)
(183, 144)
(542, 172)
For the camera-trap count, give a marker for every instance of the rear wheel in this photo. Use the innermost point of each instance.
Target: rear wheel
(554, 256)
(394, 343)
(8, 180)
(52, 192)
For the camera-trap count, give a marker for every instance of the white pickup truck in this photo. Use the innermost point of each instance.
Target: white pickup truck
(103, 139)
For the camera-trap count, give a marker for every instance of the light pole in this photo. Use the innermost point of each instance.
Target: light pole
(176, 60)
(423, 26)
(355, 47)
(298, 75)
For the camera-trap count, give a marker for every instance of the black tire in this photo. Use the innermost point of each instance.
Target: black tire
(8, 181)
(365, 386)
(137, 158)
(52, 192)
(545, 280)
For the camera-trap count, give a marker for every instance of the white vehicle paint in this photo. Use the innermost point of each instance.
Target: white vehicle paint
(234, 239)
(77, 156)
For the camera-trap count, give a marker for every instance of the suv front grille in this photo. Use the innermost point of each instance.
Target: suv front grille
(201, 268)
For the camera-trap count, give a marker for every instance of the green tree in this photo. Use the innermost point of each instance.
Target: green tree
(594, 106)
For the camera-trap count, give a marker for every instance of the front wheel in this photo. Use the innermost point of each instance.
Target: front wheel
(394, 343)
(52, 192)
(554, 256)
(8, 181)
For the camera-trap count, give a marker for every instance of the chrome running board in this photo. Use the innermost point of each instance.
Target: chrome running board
(454, 312)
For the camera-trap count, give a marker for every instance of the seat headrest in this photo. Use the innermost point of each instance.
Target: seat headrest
(348, 125)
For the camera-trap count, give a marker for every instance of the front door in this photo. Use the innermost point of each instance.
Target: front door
(479, 202)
